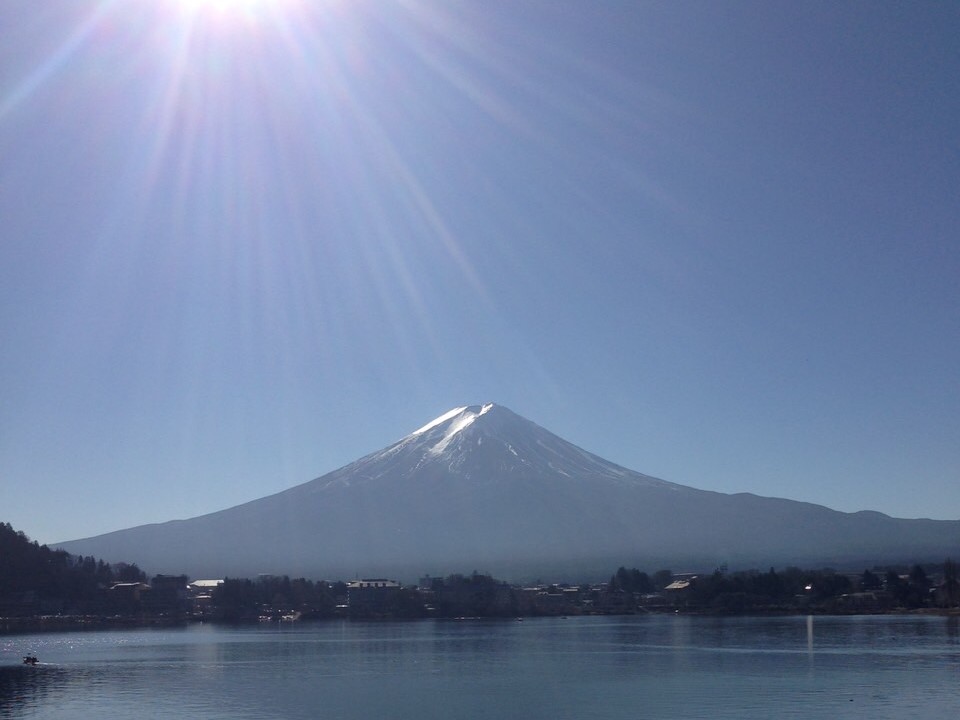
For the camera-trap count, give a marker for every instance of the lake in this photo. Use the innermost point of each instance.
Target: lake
(649, 666)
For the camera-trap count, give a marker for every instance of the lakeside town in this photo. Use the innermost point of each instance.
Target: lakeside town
(43, 589)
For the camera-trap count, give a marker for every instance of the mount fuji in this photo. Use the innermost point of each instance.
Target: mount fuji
(483, 488)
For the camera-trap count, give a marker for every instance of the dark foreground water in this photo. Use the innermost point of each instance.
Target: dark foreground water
(651, 666)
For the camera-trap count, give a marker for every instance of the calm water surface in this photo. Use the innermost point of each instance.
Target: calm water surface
(651, 666)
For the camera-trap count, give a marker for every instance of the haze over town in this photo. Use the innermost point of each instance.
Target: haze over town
(245, 244)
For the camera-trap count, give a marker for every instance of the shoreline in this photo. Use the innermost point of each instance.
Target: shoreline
(80, 623)
(84, 623)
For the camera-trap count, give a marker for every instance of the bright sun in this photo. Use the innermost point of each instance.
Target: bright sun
(228, 11)
(225, 6)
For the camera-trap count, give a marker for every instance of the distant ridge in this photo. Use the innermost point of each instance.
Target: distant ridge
(482, 488)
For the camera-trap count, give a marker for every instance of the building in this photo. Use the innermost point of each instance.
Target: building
(167, 595)
(372, 597)
(201, 595)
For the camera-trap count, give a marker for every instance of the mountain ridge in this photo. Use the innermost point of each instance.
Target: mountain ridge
(482, 487)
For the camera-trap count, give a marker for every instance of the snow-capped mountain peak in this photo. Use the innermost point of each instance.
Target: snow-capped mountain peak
(438, 421)
(484, 443)
(452, 423)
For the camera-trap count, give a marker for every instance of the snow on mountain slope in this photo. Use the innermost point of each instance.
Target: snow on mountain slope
(486, 442)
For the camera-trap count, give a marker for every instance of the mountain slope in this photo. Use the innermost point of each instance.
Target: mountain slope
(482, 488)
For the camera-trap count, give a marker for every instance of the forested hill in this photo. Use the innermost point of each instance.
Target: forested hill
(34, 578)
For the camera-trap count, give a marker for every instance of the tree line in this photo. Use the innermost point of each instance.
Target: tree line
(240, 599)
(795, 588)
(35, 579)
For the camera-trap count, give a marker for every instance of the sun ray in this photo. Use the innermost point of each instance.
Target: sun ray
(57, 61)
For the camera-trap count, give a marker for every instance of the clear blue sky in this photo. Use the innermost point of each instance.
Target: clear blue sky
(244, 243)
